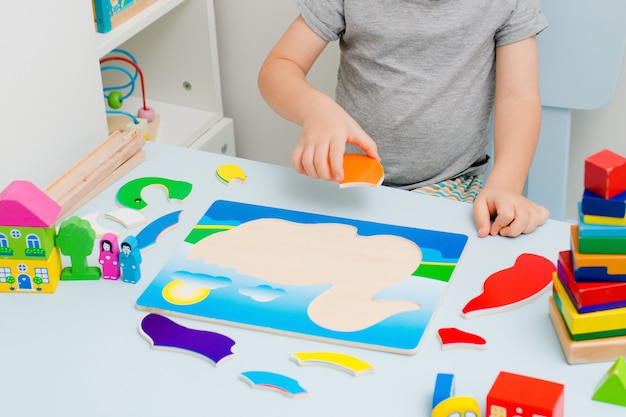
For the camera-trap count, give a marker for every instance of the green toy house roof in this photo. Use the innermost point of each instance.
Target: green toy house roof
(23, 204)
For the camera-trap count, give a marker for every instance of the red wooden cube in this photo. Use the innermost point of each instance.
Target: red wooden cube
(519, 395)
(605, 173)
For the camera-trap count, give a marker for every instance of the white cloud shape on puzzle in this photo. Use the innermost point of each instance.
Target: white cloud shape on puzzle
(262, 293)
(210, 282)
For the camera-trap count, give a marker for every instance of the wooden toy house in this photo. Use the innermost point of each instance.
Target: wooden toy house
(29, 259)
(514, 395)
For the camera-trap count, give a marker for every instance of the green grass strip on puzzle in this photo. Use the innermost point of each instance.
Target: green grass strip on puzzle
(199, 233)
(434, 270)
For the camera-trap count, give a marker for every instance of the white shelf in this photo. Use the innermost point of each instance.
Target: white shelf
(174, 43)
(179, 125)
(106, 42)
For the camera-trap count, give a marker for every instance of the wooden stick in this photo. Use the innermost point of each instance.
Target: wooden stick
(100, 168)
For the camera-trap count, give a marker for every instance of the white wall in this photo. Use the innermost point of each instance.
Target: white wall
(593, 131)
(48, 77)
(246, 31)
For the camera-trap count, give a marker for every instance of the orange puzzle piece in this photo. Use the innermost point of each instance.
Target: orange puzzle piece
(361, 170)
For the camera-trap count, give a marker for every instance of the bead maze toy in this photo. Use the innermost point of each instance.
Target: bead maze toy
(115, 95)
(29, 258)
(588, 303)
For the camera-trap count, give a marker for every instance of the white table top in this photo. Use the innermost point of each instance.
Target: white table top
(78, 352)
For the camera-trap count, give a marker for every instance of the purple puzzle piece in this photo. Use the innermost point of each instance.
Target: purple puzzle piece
(164, 333)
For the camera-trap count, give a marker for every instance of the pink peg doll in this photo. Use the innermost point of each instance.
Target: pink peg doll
(109, 256)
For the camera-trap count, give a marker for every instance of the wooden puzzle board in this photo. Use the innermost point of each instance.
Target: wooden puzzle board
(335, 279)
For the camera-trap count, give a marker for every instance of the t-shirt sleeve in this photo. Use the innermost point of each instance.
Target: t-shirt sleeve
(325, 17)
(526, 20)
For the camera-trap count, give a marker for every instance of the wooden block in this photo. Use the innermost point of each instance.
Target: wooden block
(444, 388)
(598, 321)
(595, 219)
(597, 274)
(597, 350)
(511, 393)
(122, 170)
(598, 230)
(602, 244)
(612, 386)
(120, 123)
(615, 264)
(605, 174)
(588, 294)
(611, 207)
(88, 175)
(584, 336)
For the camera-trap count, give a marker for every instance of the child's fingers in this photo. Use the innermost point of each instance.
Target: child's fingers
(335, 158)
(482, 217)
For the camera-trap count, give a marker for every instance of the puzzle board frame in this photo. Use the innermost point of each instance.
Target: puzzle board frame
(287, 314)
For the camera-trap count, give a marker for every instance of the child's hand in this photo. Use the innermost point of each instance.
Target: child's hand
(512, 213)
(325, 131)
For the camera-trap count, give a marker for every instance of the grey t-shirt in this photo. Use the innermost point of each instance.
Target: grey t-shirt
(419, 76)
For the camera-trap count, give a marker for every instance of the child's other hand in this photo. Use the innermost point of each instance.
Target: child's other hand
(325, 131)
(512, 213)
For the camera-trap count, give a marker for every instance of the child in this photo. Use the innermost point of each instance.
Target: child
(416, 86)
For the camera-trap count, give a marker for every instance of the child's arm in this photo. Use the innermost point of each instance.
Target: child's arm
(326, 127)
(517, 122)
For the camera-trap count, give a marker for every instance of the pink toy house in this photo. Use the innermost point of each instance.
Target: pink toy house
(29, 259)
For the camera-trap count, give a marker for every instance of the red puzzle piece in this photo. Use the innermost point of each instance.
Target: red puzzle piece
(508, 288)
(452, 337)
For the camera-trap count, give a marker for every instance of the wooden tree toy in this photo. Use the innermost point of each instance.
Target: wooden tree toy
(76, 239)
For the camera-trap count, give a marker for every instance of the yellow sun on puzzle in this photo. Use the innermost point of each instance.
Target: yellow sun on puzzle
(182, 293)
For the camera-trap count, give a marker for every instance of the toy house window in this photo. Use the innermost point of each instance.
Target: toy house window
(497, 411)
(32, 241)
(4, 242)
(16, 234)
(22, 267)
(4, 273)
(43, 274)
